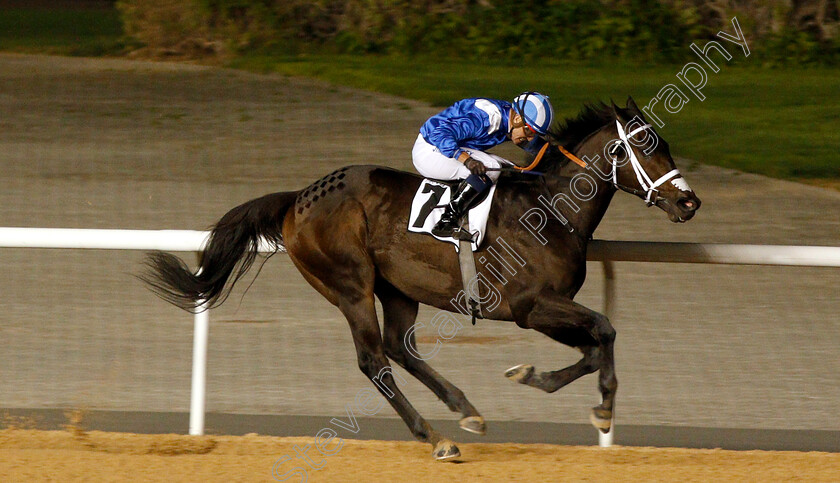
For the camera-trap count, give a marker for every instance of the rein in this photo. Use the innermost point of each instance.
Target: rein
(541, 153)
(571, 156)
(536, 160)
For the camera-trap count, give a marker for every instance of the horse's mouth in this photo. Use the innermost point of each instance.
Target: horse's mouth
(683, 208)
(678, 218)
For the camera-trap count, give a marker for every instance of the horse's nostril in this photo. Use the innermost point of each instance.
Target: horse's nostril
(687, 204)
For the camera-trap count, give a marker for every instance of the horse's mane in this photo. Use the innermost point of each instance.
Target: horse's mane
(573, 130)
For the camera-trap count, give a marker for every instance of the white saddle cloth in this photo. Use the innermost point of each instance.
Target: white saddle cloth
(424, 214)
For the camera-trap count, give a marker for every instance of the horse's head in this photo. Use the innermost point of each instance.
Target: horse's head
(642, 165)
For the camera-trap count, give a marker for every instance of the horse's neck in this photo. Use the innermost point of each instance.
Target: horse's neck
(591, 191)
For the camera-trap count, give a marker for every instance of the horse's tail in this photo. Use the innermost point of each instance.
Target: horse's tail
(231, 250)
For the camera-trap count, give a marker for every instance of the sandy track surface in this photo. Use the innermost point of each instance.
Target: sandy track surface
(105, 143)
(27, 455)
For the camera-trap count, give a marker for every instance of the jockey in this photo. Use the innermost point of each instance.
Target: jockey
(451, 146)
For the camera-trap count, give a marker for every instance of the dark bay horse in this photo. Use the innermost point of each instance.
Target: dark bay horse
(346, 234)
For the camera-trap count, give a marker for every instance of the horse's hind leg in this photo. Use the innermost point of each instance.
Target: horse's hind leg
(573, 324)
(361, 315)
(400, 313)
(551, 381)
(341, 269)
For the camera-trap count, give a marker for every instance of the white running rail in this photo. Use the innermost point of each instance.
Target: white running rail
(599, 250)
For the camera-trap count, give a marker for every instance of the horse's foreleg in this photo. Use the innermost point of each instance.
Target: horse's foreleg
(568, 322)
(361, 315)
(400, 313)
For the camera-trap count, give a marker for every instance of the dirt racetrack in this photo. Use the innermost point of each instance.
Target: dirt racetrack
(108, 143)
(29, 455)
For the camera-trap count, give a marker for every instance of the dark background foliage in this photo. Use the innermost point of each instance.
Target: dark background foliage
(791, 32)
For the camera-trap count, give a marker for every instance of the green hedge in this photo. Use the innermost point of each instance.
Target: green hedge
(523, 30)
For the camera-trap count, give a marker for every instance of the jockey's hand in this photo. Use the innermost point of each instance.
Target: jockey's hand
(476, 167)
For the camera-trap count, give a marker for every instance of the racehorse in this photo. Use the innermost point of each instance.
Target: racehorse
(346, 234)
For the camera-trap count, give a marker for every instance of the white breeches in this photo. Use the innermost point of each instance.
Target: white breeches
(432, 164)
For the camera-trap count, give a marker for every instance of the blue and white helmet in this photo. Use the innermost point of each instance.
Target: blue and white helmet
(535, 110)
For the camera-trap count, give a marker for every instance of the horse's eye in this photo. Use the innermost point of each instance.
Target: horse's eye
(617, 151)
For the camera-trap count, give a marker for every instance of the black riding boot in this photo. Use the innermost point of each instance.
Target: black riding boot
(460, 203)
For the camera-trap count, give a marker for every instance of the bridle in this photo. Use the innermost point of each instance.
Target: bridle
(649, 191)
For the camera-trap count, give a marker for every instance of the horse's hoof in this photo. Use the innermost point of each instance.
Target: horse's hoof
(445, 450)
(520, 373)
(473, 424)
(601, 419)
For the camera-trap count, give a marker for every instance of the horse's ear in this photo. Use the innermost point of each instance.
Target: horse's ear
(632, 107)
(615, 108)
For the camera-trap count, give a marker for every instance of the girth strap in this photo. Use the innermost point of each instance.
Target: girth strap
(468, 271)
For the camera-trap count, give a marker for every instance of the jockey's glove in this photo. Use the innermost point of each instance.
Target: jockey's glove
(476, 167)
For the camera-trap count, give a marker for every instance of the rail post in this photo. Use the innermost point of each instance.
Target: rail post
(201, 334)
(605, 440)
(199, 372)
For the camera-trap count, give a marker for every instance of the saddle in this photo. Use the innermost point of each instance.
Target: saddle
(430, 202)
